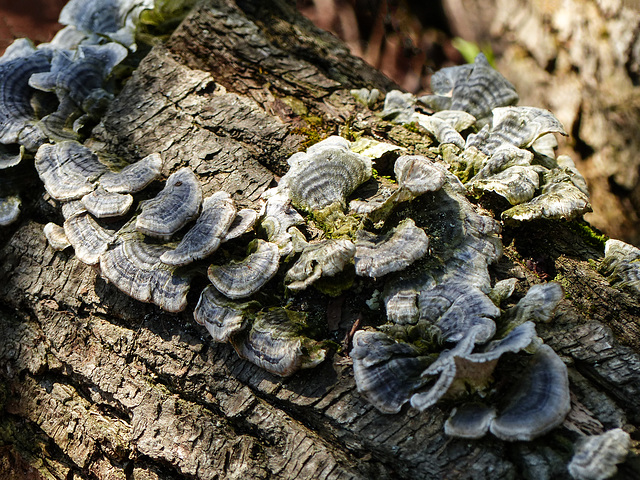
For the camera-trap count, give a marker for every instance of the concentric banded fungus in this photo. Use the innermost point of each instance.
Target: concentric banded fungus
(134, 177)
(176, 205)
(103, 204)
(134, 267)
(89, 240)
(471, 420)
(502, 158)
(243, 222)
(538, 305)
(476, 89)
(560, 200)
(328, 172)
(378, 255)
(9, 210)
(242, 279)
(516, 184)
(56, 236)
(458, 119)
(222, 317)
(597, 456)
(81, 74)
(326, 258)
(275, 342)
(277, 218)
(418, 174)
(17, 116)
(541, 401)
(68, 169)
(386, 372)
(518, 126)
(621, 265)
(10, 156)
(456, 308)
(459, 367)
(441, 130)
(204, 238)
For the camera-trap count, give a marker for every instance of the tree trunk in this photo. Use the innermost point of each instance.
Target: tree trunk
(97, 385)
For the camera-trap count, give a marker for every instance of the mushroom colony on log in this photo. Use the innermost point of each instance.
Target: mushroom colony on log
(420, 239)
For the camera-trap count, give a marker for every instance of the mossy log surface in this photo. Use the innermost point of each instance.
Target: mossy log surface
(96, 385)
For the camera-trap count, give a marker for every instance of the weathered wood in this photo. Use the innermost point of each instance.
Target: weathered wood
(97, 385)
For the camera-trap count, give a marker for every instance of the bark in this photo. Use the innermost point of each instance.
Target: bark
(97, 385)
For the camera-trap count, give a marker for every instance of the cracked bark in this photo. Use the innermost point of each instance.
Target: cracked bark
(97, 385)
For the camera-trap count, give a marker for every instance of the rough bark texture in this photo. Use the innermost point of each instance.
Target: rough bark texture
(97, 385)
(581, 60)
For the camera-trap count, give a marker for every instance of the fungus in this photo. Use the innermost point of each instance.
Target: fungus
(221, 316)
(540, 403)
(134, 267)
(9, 210)
(68, 169)
(17, 116)
(471, 420)
(89, 240)
(103, 204)
(133, 177)
(328, 172)
(275, 343)
(597, 456)
(516, 184)
(244, 278)
(621, 265)
(204, 238)
(458, 119)
(378, 255)
(518, 126)
(418, 174)
(386, 372)
(176, 205)
(476, 89)
(56, 237)
(278, 216)
(243, 223)
(326, 258)
(538, 305)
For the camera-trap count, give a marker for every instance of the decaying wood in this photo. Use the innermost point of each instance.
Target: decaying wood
(97, 385)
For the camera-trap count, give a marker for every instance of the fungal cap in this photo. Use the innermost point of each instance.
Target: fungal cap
(88, 238)
(176, 205)
(133, 177)
(221, 317)
(9, 210)
(597, 456)
(326, 258)
(386, 372)
(418, 174)
(56, 237)
(540, 403)
(204, 238)
(244, 278)
(378, 255)
(276, 344)
(103, 204)
(470, 421)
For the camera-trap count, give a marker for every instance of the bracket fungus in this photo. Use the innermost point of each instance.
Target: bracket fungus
(328, 172)
(9, 210)
(244, 278)
(378, 255)
(176, 205)
(621, 265)
(218, 212)
(426, 249)
(275, 342)
(597, 456)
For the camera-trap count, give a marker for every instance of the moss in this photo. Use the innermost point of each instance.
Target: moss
(412, 127)
(335, 223)
(163, 18)
(589, 234)
(338, 284)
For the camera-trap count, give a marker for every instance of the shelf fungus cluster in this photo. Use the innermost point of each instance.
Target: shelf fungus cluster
(418, 242)
(58, 90)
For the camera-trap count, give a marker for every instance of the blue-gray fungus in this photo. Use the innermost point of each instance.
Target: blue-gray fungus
(328, 172)
(596, 457)
(276, 342)
(241, 279)
(204, 238)
(621, 265)
(419, 242)
(176, 205)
